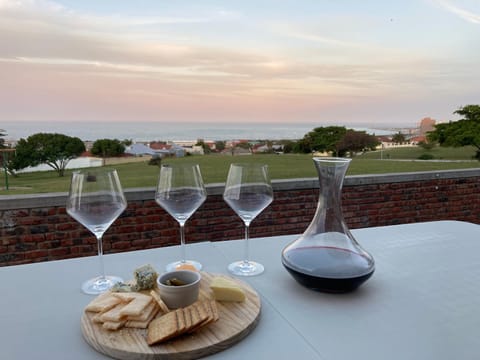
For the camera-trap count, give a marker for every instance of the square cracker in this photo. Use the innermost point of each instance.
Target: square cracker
(162, 328)
(142, 324)
(188, 319)
(103, 302)
(114, 314)
(113, 325)
(137, 303)
(145, 314)
(129, 296)
(208, 310)
(201, 309)
(181, 322)
(96, 318)
(213, 307)
(198, 317)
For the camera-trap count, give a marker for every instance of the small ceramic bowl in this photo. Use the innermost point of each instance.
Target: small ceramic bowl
(179, 288)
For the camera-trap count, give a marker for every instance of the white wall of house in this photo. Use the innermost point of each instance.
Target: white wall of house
(81, 162)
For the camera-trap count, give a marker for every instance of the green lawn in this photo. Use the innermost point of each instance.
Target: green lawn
(215, 168)
(438, 153)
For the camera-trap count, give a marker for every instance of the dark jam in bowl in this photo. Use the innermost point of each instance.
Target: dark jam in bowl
(328, 269)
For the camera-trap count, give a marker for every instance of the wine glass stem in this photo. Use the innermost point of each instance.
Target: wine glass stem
(100, 256)
(247, 244)
(182, 242)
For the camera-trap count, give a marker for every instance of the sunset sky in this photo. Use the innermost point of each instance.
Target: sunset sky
(345, 61)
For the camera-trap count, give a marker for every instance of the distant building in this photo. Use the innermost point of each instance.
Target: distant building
(415, 140)
(167, 149)
(88, 144)
(139, 150)
(426, 124)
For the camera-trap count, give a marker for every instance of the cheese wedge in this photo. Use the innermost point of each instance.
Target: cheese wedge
(226, 290)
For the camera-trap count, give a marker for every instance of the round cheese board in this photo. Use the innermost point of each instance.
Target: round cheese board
(236, 321)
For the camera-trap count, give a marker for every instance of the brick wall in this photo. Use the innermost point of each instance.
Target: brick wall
(36, 227)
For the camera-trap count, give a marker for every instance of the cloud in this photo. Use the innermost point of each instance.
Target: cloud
(62, 61)
(38, 29)
(467, 15)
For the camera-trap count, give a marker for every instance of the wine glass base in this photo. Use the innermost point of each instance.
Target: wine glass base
(100, 284)
(184, 265)
(245, 268)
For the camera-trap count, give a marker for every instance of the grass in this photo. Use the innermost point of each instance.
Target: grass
(288, 166)
(438, 153)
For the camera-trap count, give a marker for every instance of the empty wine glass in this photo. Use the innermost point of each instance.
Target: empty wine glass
(96, 200)
(248, 192)
(180, 192)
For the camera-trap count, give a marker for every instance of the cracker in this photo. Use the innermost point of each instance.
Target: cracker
(128, 296)
(114, 314)
(96, 318)
(181, 323)
(103, 302)
(136, 305)
(200, 307)
(145, 314)
(202, 314)
(113, 325)
(214, 308)
(197, 318)
(159, 301)
(210, 316)
(162, 328)
(139, 324)
(188, 319)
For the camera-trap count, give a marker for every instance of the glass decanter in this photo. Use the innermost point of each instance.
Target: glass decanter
(326, 257)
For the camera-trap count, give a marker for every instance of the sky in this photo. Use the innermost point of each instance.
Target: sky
(370, 62)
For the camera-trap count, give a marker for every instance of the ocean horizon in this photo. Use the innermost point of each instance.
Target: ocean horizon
(170, 131)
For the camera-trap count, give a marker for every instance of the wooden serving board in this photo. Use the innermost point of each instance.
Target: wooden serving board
(237, 320)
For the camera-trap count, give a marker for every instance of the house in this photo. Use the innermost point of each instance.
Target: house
(164, 149)
(139, 149)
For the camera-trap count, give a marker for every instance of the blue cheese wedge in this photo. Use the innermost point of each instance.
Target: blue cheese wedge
(122, 287)
(226, 290)
(145, 277)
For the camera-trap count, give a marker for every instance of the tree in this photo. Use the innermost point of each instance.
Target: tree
(220, 145)
(107, 148)
(398, 138)
(245, 145)
(322, 139)
(355, 141)
(288, 146)
(462, 132)
(205, 147)
(55, 150)
(156, 160)
(303, 145)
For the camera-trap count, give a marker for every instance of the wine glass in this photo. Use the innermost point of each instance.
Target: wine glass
(180, 192)
(248, 192)
(96, 200)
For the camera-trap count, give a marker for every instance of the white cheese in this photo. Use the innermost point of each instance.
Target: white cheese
(226, 290)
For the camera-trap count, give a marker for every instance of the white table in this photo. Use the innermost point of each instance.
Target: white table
(423, 301)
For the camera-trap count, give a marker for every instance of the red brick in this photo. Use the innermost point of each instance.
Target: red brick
(36, 254)
(144, 224)
(59, 253)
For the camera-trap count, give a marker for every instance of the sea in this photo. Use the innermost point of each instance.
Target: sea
(169, 131)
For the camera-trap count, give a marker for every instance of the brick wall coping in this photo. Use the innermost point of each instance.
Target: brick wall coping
(30, 201)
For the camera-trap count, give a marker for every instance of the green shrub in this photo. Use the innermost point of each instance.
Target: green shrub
(426, 157)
